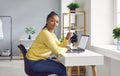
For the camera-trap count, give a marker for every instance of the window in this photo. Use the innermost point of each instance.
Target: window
(1, 32)
(118, 12)
(101, 22)
(117, 5)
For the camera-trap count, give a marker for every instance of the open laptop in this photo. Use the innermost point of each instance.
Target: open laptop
(81, 46)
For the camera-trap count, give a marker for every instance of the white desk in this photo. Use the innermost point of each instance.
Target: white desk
(81, 59)
(26, 43)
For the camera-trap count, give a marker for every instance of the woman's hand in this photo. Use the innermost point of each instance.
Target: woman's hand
(68, 48)
(69, 34)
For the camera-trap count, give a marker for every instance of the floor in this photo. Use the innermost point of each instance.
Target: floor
(12, 68)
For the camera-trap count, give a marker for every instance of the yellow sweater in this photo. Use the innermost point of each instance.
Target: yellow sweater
(45, 44)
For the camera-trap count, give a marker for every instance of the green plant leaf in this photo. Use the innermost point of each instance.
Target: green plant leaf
(29, 30)
(116, 32)
(73, 5)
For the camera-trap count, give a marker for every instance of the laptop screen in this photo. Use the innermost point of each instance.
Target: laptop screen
(83, 41)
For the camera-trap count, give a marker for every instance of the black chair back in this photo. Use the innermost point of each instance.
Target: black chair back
(28, 71)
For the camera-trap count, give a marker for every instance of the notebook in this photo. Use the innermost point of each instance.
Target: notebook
(81, 46)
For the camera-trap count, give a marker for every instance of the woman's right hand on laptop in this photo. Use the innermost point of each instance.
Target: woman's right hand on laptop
(68, 48)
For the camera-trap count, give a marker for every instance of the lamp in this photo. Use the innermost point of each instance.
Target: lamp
(1, 31)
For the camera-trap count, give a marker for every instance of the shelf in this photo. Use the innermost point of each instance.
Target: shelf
(27, 39)
(8, 58)
(75, 22)
(74, 27)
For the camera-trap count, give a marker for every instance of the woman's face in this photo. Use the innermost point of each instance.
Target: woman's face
(52, 22)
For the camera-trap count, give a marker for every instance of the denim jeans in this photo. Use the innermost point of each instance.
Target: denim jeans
(48, 66)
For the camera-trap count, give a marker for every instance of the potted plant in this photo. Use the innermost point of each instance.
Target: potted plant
(73, 5)
(116, 35)
(29, 31)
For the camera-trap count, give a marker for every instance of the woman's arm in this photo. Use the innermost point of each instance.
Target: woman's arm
(50, 41)
(65, 41)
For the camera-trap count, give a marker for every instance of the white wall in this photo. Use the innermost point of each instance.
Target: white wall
(101, 21)
(64, 4)
(114, 67)
(27, 13)
(111, 65)
(101, 33)
(86, 5)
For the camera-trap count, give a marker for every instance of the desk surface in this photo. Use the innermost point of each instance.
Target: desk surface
(81, 59)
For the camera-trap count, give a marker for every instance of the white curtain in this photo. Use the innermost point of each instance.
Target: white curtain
(1, 30)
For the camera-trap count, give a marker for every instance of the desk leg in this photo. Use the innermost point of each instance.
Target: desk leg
(94, 70)
(69, 70)
(78, 70)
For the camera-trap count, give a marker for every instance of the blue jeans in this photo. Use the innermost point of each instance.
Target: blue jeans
(48, 66)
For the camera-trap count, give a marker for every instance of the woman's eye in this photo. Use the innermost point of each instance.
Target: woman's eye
(56, 21)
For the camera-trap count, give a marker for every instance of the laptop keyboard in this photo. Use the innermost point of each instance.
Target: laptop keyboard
(78, 50)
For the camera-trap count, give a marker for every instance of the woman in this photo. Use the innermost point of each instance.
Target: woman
(46, 43)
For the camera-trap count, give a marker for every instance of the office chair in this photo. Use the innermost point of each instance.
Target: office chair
(28, 71)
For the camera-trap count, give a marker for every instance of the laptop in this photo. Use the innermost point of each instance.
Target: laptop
(81, 46)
